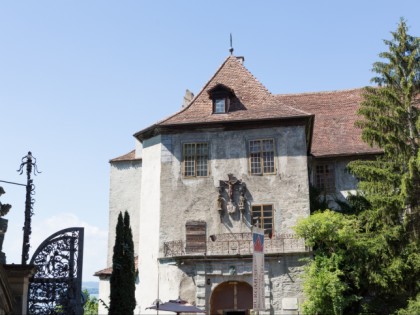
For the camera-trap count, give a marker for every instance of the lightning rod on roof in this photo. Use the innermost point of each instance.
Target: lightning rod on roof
(231, 47)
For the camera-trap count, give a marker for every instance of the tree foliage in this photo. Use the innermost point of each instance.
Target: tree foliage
(91, 305)
(391, 120)
(367, 258)
(122, 298)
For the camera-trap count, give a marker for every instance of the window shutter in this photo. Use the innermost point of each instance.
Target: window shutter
(195, 237)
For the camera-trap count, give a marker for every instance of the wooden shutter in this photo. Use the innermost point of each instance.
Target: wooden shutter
(195, 237)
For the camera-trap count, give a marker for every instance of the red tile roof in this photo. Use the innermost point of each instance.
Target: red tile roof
(252, 100)
(108, 271)
(335, 114)
(130, 156)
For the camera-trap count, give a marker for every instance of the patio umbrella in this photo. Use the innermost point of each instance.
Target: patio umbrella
(177, 306)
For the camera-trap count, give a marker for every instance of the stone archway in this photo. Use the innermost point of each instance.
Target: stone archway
(231, 298)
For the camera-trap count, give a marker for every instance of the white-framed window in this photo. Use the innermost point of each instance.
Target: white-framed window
(195, 157)
(263, 215)
(261, 157)
(219, 105)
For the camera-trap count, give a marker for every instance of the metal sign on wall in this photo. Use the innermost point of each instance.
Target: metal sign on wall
(56, 286)
(258, 269)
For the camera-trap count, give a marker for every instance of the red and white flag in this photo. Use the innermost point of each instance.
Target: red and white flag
(258, 269)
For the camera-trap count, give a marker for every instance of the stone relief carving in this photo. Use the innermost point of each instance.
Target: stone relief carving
(231, 196)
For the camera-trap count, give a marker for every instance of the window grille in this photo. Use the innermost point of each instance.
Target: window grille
(195, 159)
(263, 214)
(261, 156)
(325, 178)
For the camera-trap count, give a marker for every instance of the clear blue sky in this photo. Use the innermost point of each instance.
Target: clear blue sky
(78, 78)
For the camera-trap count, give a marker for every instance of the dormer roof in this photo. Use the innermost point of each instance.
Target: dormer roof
(221, 89)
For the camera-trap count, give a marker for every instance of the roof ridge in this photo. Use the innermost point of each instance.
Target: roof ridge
(319, 92)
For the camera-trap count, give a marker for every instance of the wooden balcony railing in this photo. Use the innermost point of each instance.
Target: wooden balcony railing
(234, 244)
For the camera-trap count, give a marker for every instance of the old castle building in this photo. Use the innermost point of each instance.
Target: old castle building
(199, 180)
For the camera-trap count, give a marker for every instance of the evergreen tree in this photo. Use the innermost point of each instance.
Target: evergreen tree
(391, 121)
(368, 261)
(129, 266)
(122, 299)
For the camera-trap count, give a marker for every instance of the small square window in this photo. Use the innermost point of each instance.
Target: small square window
(219, 106)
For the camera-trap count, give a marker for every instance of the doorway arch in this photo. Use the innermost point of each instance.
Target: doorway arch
(231, 298)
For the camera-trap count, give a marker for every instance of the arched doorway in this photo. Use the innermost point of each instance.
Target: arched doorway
(231, 298)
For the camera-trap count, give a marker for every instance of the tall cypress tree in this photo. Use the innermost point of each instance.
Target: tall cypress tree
(129, 267)
(122, 282)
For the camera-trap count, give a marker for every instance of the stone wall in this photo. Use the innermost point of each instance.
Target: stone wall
(189, 199)
(195, 280)
(195, 199)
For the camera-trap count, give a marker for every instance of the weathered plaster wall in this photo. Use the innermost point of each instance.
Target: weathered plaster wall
(345, 182)
(139, 149)
(149, 223)
(104, 291)
(124, 195)
(167, 201)
(185, 199)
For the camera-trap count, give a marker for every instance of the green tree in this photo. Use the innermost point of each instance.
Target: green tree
(413, 307)
(129, 266)
(390, 120)
(367, 259)
(122, 299)
(91, 305)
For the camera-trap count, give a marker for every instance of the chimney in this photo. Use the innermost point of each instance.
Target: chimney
(241, 59)
(187, 98)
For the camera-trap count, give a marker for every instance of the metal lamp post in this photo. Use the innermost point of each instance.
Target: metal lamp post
(30, 162)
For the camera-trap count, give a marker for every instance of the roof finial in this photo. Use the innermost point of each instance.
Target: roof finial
(231, 47)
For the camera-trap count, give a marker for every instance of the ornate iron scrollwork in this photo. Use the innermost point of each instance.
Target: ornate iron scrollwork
(56, 286)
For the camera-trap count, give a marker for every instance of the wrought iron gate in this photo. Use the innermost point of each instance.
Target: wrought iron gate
(56, 286)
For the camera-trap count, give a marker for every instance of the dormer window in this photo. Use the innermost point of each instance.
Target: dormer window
(221, 96)
(219, 106)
